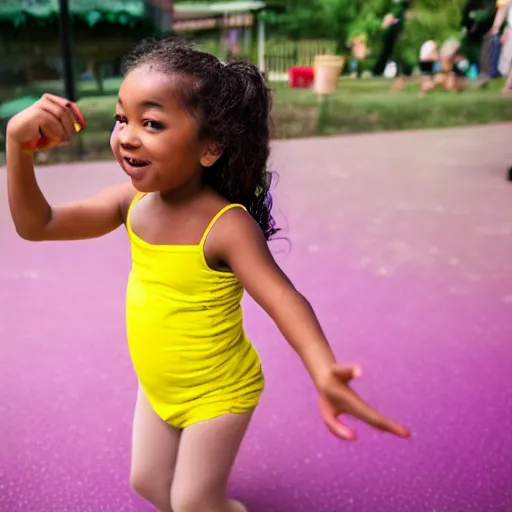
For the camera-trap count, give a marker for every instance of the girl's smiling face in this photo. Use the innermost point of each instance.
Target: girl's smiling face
(155, 140)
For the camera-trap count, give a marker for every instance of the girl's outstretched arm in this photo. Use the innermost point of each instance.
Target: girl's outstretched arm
(33, 217)
(238, 241)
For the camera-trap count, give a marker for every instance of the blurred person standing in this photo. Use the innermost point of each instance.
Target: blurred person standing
(491, 47)
(505, 61)
(477, 20)
(393, 27)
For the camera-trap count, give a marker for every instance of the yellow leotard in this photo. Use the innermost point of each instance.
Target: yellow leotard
(185, 333)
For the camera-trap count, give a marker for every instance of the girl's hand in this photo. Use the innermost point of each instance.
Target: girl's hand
(336, 398)
(46, 124)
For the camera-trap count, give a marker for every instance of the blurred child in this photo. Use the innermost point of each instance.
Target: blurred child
(429, 56)
(454, 66)
(359, 49)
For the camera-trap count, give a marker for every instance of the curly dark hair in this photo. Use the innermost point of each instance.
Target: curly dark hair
(231, 104)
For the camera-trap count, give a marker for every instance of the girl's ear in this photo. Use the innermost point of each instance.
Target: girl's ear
(212, 153)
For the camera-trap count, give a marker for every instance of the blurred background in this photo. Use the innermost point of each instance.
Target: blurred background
(282, 36)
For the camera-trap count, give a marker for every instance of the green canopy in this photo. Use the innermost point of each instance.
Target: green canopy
(12, 107)
(90, 11)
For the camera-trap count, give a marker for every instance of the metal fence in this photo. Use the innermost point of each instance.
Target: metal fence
(281, 55)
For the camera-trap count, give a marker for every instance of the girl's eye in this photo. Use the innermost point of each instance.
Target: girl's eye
(154, 125)
(120, 119)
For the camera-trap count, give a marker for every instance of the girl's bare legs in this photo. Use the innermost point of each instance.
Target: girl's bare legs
(206, 455)
(154, 451)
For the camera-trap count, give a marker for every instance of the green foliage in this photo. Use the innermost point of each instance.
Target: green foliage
(313, 19)
(340, 20)
(431, 19)
(435, 19)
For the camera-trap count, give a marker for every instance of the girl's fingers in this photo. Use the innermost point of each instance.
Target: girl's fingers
(347, 372)
(357, 407)
(335, 426)
(57, 121)
(73, 117)
(78, 116)
(342, 399)
(51, 127)
(65, 115)
(339, 429)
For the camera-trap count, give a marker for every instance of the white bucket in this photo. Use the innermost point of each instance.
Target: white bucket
(327, 72)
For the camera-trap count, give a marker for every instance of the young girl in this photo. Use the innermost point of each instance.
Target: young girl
(192, 135)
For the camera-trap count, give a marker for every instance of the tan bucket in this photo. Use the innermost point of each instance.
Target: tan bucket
(327, 72)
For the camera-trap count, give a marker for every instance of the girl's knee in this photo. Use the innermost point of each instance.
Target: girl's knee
(154, 488)
(141, 484)
(190, 500)
(194, 503)
(185, 501)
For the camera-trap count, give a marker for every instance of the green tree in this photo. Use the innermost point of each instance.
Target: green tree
(308, 19)
(432, 19)
(331, 19)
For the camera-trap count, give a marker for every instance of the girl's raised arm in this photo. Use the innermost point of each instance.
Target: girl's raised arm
(33, 217)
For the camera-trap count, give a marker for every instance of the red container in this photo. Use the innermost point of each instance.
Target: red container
(301, 77)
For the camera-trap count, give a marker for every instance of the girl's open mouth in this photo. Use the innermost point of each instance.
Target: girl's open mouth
(136, 163)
